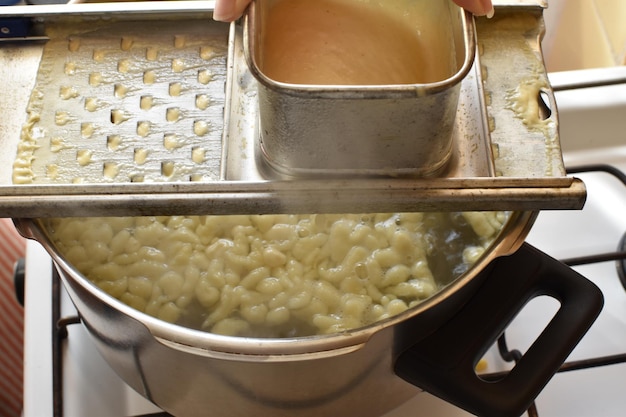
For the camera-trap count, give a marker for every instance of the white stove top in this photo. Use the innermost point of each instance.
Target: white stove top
(91, 388)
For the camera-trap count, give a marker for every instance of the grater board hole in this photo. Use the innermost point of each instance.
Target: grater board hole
(140, 156)
(52, 171)
(152, 53)
(180, 41)
(123, 66)
(69, 68)
(57, 144)
(172, 114)
(91, 104)
(61, 118)
(204, 76)
(202, 101)
(118, 116)
(86, 130)
(114, 142)
(83, 157)
(175, 89)
(178, 65)
(200, 127)
(126, 43)
(95, 79)
(120, 90)
(98, 55)
(170, 141)
(207, 53)
(146, 102)
(149, 77)
(110, 170)
(167, 169)
(198, 155)
(143, 128)
(73, 44)
(67, 92)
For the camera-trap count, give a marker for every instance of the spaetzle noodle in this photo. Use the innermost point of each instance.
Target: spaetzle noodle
(272, 275)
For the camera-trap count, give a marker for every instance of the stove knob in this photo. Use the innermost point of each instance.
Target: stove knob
(19, 279)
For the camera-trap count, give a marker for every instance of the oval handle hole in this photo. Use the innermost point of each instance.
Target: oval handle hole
(545, 107)
(501, 357)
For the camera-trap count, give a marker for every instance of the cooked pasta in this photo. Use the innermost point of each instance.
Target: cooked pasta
(274, 275)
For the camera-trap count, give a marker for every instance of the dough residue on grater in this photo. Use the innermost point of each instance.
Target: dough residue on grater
(126, 101)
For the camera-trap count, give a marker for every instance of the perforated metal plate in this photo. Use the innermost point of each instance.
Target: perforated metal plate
(122, 102)
(106, 153)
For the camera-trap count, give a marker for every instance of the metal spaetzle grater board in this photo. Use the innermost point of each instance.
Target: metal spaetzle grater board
(176, 132)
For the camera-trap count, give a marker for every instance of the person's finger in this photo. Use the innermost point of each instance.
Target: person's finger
(229, 10)
(477, 7)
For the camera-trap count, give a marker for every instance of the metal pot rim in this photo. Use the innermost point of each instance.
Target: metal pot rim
(203, 343)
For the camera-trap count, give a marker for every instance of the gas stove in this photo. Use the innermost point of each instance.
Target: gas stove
(71, 379)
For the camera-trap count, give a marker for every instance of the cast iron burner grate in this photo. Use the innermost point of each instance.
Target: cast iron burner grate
(59, 334)
(621, 263)
(60, 324)
(619, 256)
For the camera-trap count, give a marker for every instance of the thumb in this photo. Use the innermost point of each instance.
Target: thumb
(229, 10)
(477, 7)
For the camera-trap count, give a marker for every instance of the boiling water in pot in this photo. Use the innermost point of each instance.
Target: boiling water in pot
(275, 275)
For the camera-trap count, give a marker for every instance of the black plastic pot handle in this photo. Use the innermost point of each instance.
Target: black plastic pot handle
(443, 363)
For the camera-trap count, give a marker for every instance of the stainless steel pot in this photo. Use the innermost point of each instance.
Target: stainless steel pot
(366, 372)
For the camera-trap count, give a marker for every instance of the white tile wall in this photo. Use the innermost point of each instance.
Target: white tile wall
(583, 34)
(612, 14)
